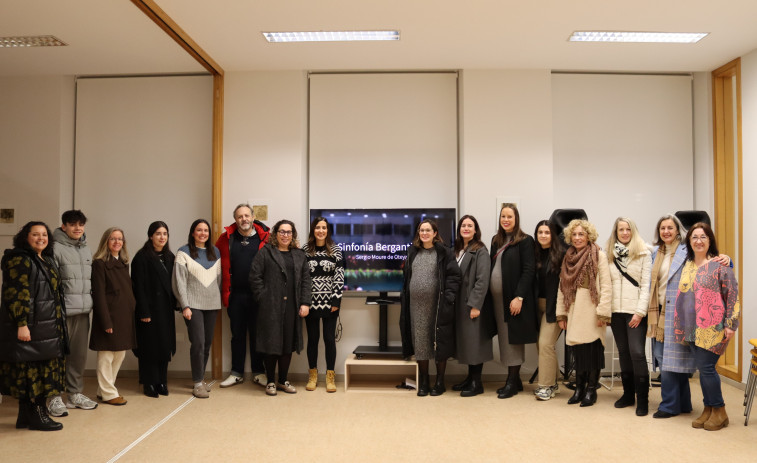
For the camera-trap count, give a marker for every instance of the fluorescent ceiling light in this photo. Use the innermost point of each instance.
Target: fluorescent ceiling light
(331, 36)
(31, 41)
(637, 37)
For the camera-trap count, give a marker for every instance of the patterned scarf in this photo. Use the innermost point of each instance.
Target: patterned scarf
(621, 256)
(576, 267)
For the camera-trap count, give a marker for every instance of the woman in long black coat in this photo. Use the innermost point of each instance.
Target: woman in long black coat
(280, 281)
(151, 271)
(427, 314)
(511, 295)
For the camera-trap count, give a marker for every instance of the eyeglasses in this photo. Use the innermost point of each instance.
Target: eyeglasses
(285, 232)
(116, 239)
(700, 239)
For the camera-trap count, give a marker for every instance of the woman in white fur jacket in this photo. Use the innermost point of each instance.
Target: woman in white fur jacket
(630, 270)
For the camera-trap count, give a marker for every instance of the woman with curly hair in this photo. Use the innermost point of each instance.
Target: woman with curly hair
(583, 306)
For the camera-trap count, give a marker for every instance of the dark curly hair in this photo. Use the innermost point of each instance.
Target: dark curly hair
(21, 240)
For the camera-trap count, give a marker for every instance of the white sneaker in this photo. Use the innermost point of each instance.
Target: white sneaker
(79, 400)
(546, 393)
(260, 379)
(232, 380)
(56, 408)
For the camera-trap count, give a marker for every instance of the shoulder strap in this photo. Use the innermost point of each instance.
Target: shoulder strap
(627, 276)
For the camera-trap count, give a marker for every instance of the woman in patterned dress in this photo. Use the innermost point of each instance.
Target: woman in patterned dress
(327, 279)
(706, 316)
(32, 327)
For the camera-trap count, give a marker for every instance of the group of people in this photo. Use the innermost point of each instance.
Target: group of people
(52, 282)
(680, 292)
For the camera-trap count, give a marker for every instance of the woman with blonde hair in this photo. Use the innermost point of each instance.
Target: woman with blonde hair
(583, 306)
(630, 270)
(113, 330)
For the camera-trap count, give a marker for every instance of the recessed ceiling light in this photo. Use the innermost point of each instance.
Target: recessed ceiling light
(637, 37)
(331, 36)
(31, 41)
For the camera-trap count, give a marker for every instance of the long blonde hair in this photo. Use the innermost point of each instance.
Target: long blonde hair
(636, 246)
(102, 249)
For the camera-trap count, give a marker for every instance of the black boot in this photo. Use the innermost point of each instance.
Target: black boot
(466, 382)
(592, 383)
(163, 389)
(150, 390)
(422, 385)
(439, 388)
(627, 399)
(580, 388)
(642, 395)
(476, 386)
(24, 407)
(39, 420)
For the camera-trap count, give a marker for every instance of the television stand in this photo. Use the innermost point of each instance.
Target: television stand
(383, 349)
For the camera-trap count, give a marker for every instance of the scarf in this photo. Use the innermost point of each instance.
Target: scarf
(656, 311)
(577, 266)
(621, 256)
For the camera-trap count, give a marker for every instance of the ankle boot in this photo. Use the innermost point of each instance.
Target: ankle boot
(423, 385)
(40, 421)
(475, 387)
(642, 395)
(22, 422)
(510, 389)
(626, 400)
(699, 422)
(590, 398)
(463, 385)
(330, 381)
(718, 419)
(312, 379)
(580, 388)
(439, 389)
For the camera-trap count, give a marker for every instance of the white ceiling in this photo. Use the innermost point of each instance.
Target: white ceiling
(114, 37)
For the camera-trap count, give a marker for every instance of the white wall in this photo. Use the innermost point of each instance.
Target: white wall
(749, 167)
(36, 145)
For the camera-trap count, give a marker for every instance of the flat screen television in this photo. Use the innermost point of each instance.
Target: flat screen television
(374, 243)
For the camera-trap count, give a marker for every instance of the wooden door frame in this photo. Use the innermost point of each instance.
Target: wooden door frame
(169, 26)
(729, 235)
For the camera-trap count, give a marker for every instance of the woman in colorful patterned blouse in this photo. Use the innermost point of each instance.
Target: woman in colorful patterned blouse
(707, 315)
(327, 278)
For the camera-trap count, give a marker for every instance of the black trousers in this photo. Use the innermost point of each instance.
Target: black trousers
(630, 342)
(243, 313)
(153, 371)
(329, 339)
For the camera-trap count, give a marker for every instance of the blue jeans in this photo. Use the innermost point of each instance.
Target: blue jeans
(657, 348)
(675, 393)
(708, 377)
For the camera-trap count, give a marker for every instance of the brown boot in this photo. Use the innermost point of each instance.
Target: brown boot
(330, 381)
(718, 419)
(312, 379)
(699, 422)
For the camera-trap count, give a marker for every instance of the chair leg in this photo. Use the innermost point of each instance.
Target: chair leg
(750, 402)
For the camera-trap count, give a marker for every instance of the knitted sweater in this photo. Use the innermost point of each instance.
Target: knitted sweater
(197, 282)
(327, 277)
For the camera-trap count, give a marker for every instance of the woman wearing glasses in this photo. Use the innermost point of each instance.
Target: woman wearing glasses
(113, 309)
(280, 281)
(706, 318)
(197, 286)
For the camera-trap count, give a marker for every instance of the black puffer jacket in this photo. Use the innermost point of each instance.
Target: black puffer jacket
(449, 281)
(41, 309)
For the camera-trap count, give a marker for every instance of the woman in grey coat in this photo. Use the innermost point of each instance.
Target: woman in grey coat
(474, 343)
(280, 281)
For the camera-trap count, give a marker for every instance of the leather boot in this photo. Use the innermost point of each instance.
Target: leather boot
(330, 381)
(626, 400)
(24, 406)
(40, 421)
(150, 390)
(699, 422)
(312, 379)
(642, 395)
(510, 389)
(439, 389)
(464, 385)
(580, 388)
(590, 398)
(718, 419)
(475, 387)
(423, 385)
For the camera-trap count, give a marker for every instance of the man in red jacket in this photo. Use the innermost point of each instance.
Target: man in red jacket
(238, 245)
